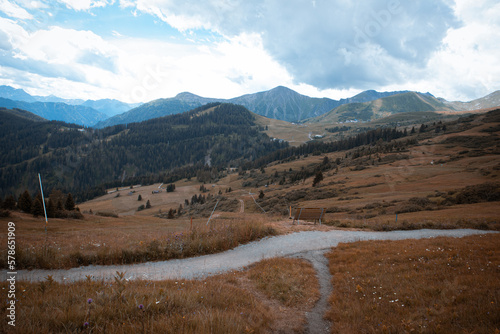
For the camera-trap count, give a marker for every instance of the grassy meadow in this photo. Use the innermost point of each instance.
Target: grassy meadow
(440, 285)
(105, 241)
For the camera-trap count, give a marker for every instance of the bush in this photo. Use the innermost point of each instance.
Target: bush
(408, 208)
(107, 214)
(486, 192)
(420, 201)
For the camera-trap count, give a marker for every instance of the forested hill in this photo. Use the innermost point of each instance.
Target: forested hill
(81, 161)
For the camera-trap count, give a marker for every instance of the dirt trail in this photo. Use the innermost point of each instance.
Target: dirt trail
(315, 318)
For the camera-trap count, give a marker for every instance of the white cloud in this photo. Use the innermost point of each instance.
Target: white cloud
(82, 5)
(328, 44)
(127, 3)
(32, 4)
(466, 67)
(13, 10)
(226, 69)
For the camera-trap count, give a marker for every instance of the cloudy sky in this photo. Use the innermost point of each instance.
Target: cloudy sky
(146, 49)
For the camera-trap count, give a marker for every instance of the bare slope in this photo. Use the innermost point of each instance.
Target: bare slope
(488, 101)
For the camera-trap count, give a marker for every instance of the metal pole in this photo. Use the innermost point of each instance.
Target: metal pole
(256, 202)
(43, 201)
(213, 211)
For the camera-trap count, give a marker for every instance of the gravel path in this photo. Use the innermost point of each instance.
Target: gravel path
(235, 259)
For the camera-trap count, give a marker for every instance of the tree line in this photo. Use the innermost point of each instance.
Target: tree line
(57, 205)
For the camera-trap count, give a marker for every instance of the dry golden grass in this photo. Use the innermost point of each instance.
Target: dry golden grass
(72, 243)
(440, 285)
(127, 204)
(284, 280)
(221, 304)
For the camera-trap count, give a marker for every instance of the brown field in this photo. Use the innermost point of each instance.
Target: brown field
(295, 134)
(440, 285)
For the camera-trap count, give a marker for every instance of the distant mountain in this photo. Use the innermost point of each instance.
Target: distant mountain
(109, 107)
(58, 111)
(11, 93)
(106, 106)
(55, 99)
(278, 103)
(489, 101)
(285, 104)
(370, 95)
(150, 110)
(383, 107)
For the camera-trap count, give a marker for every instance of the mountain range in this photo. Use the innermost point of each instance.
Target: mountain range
(58, 111)
(278, 103)
(52, 107)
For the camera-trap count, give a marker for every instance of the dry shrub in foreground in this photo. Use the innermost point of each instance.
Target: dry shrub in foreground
(216, 305)
(441, 285)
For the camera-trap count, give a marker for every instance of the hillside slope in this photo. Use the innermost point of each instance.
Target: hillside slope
(23, 114)
(383, 107)
(203, 140)
(489, 101)
(154, 109)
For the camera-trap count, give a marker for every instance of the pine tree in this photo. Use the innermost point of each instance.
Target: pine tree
(318, 178)
(326, 161)
(70, 203)
(51, 209)
(148, 204)
(25, 202)
(261, 194)
(9, 203)
(37, 208)
(139, 198)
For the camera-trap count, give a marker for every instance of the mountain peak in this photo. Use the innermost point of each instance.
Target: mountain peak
(280, 90)
(186, 95)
